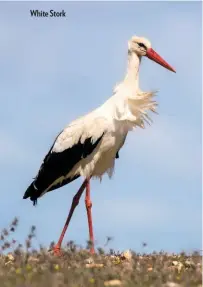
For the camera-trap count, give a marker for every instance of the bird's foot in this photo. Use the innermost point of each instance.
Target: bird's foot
(57, 250)
(92, 251)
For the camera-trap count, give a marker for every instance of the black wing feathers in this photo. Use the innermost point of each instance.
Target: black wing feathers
(58, 164)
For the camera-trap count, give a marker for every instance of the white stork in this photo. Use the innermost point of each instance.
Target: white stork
(88, 146)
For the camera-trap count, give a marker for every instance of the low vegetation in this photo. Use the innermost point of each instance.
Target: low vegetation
(21, 266)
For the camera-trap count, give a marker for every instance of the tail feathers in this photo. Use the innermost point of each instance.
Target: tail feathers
(32, 192)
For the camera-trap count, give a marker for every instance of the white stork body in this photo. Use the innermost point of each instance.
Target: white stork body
(89, 145)
(125, 110)
(93, 141)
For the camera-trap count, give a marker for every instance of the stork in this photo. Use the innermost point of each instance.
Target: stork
(88, 146)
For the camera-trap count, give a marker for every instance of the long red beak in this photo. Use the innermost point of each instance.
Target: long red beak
(151, 54)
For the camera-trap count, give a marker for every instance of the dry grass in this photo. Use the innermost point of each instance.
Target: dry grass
(21, 266)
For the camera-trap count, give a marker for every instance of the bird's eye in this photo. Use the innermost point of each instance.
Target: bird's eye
(142, 45)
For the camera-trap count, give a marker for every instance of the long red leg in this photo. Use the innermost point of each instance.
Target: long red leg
(89, 215)
(75, 202)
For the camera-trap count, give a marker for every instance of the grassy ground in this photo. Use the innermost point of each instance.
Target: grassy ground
(20, 266)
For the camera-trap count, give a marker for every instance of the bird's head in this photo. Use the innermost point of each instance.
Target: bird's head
(142, 47)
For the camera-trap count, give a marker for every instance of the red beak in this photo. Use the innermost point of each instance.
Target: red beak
(151, 54)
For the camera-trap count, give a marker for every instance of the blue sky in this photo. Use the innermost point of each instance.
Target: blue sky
(54, 70)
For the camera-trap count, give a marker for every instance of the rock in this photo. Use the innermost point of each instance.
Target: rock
(89, 260)
(189, 263)
(171, 284)
(114, 282)
(178, 265)
(94, 265)
(175, 263)
(10, 257)
(9, 262)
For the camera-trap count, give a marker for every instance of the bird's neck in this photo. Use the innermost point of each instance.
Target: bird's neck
(128, 88)
(133, 69)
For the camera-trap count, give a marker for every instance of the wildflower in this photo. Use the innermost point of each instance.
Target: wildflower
(56, 266)
(92, 280)
(18, 271)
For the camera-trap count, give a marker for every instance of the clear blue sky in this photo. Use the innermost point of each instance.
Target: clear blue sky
(54, 70)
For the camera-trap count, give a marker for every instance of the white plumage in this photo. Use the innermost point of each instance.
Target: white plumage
(115, 118)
